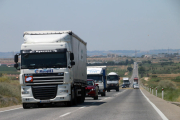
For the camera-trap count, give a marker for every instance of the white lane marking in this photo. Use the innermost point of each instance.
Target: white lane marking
(157, 110)
(10, 110)
(65, 114)
(72, 111)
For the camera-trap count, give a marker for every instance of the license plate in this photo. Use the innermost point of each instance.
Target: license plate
(45, 101)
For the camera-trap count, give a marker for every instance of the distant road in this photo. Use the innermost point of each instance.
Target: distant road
(128, 104)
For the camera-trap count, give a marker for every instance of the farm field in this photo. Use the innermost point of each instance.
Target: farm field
(162, 75)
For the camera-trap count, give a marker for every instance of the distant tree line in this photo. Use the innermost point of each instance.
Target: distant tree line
(126, 62)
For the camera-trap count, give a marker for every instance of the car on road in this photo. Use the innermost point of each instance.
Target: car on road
(123, 86)
(136, 86)
(92, 89)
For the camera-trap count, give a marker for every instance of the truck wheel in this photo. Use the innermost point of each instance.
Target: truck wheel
(117, 90)
(103, 94)
(25, 105)
(75, 97)
(82, 94)
(96, 97)
(108, 90)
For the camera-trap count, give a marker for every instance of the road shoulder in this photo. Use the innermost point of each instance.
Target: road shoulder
(10, 108)
(171, 111)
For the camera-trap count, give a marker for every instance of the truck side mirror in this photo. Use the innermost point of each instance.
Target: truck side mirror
(15, 58)
(71, 56)
(72, 63)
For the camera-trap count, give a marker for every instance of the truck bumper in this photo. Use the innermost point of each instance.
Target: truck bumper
(61, 96)
(112, 87)
(56, 99)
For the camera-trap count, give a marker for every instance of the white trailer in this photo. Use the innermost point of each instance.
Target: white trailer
(53, 68)
(98, 74)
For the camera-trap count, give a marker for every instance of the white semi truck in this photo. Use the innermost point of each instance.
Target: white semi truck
(126, 81)
(52, 68)
(98, 74)
(112, 81)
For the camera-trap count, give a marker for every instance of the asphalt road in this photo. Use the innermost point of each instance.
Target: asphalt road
(127, 104)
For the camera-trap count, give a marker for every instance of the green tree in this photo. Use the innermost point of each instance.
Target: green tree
(141, 70)
(129, 69)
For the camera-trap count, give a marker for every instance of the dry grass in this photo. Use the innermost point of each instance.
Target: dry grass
(178, 99)
(9, 92)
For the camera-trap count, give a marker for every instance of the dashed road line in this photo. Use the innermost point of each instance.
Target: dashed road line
(65, 114)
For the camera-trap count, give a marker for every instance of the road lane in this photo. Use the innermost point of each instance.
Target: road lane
(125, 105)
(51, 112)
(129, 105)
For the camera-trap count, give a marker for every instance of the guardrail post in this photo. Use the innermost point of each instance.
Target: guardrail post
(148, 88)
(152, 90)
(162, 93)
(156, 91)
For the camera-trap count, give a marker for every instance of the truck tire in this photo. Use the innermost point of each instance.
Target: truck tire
(75, 97)
(108, 90)
(103, 94)
(82, 94)
(96, 97)
(117, 90)
(25, 106)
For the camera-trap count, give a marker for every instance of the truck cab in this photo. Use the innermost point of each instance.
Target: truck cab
(112, 81)
(48, 68)
(98, 74)
(126, 81)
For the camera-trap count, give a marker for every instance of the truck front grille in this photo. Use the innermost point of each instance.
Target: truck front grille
(47, 77)
(44, 92)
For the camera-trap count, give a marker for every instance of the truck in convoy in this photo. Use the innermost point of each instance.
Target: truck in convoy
(52, 68)
(98, 74)
(112, 81)
(126, 81)
(136, 80)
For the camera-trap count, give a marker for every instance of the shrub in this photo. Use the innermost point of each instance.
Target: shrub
(154, 76)
(177, 79)
(166, 84)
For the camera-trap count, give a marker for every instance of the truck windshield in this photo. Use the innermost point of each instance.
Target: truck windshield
(96, 78)
(126, 81)
(112, 78)
(43, 60)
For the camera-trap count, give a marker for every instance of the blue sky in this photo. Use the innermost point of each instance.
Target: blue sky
(103, 24)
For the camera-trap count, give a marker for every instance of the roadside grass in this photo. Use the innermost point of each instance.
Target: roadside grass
(9, 92)
(163, 75)
(171, 90)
